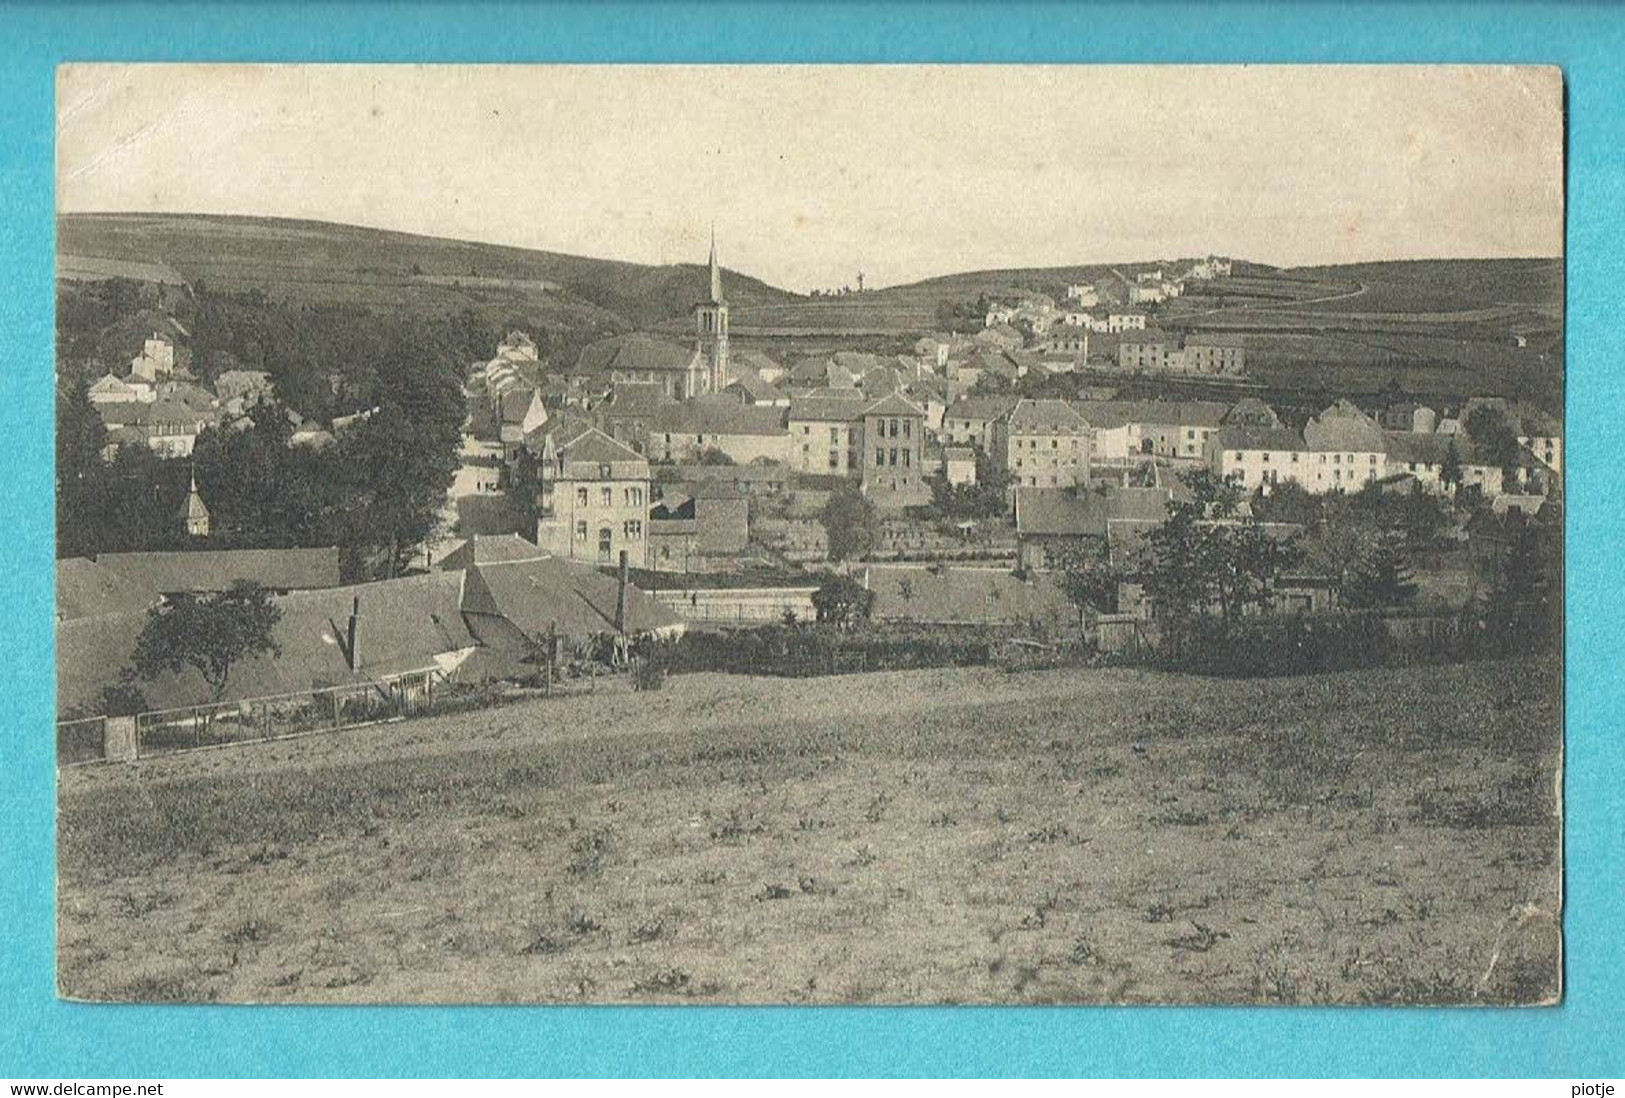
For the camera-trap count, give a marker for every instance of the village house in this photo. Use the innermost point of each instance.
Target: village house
(629, 411)
(156, 360)
(681, 432)
(597, 503)
(750, 388)
(1042, 443)
(1215, 354)
(517, 598)
(892, 445)
(1083, 293)
(959, 465)
(1050, 520)
(706, 530)
(1128, 431)
(1150, 351)
(245, 386)
(1001, 337)
(824, 433)
(1342, 449)
(1068, 341)
(108, 389)
(366, 633)
(749, 599)
(168, 427)
(969, 420)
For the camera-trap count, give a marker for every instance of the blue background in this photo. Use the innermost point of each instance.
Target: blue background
(42, 1037)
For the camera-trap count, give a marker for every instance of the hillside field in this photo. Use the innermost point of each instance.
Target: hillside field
(921, 837)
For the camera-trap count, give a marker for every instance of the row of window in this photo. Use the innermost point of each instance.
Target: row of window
(882, 456)
(632, 497)
(1054, 444)
(631, 528)
(1337, 459)
(889, 427)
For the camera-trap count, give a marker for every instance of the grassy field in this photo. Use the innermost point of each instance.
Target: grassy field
(944, 836)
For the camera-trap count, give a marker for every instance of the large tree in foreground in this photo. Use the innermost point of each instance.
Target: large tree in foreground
(211, 634)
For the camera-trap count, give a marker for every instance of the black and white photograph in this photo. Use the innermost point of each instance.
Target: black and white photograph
(821, 534)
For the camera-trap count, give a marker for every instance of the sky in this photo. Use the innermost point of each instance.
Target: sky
(811, 174)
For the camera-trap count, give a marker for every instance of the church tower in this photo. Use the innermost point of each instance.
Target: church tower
(196, 515)
(711, 327)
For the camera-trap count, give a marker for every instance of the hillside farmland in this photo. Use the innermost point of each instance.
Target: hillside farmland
(936, 836)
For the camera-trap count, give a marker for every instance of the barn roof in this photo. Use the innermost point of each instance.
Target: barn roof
(85, 589)
(217, 569)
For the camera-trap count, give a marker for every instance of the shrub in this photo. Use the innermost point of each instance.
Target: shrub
(1275, 644)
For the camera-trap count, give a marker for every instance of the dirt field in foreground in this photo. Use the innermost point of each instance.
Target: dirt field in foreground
(922, 837)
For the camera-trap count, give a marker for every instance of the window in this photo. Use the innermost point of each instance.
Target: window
(905, 459)
(907, 426)
(1373, 459)
(1054, 444)
(893, 453)
(1190, 434)
(806, 429)
(604, 472)
(1266, 457)
(834, 436)
(834, 460)
(632, 528)
(1337, 459)
(581, 497)
(581, 530)
(607, 496)
(880, 457)
(634, 497)
(1294, 457)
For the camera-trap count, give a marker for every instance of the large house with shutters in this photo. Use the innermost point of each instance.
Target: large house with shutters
(598, 501)
(893, 473)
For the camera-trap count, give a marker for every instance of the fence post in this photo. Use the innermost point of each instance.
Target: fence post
(120, 741)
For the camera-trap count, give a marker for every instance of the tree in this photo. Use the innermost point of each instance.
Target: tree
(1208, 553)
(850, 523)
(211, 634)
(1381, 576)
(1487, 426)
(713, 456)
(81, 475)
(1089, 580)
(523, 491)
(1450, 468)
(843, 601)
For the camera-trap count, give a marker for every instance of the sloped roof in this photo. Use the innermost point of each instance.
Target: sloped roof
(404, 625)
(1045, 415)
(1259, 438)
(592, 445)
(637, 351)
(980, 408)
(893, 404)
(1344, 426)
(217, 569)
(637, 397)
(550, 592)
(490, 549)
(720, 415)
(963, 595)
(1148, 335)
(1065, 512)
(85, 589)
(825, 409)
(1109, 414)
(756, 388)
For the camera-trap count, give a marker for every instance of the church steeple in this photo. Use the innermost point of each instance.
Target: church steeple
(196, 515)
(711, 327)
(716, 272)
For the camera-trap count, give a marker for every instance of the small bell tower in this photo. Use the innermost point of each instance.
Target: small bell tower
(196, 515)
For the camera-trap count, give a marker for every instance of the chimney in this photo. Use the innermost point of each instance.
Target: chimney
(354, 637)
(620, 596)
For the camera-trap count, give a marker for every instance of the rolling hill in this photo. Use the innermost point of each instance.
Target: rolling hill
(312, 262)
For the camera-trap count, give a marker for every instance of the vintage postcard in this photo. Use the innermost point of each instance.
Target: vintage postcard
(769, 534)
